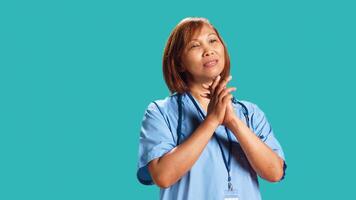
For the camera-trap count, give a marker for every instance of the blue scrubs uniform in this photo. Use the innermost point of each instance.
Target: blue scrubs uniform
(207, 179)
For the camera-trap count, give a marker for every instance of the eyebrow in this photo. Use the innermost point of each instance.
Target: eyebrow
(197, 39)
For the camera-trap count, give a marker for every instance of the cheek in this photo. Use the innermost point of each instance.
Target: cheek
(222, 55)
(221, 50)
(193, 58)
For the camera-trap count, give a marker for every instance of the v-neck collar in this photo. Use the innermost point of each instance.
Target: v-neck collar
(186, 98)
(197, 103)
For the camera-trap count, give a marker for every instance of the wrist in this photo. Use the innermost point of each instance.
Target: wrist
(212, 121)
(234, 122)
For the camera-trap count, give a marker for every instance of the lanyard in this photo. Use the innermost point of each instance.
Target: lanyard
(227, 161)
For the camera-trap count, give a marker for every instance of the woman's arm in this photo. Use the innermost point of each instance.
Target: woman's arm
(168, 169)
(263, 159)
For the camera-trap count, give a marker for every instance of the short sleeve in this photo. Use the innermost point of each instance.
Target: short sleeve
(156, 139)
(263, 130)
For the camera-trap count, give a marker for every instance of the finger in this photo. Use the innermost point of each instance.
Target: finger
(227, 98)
(225, 92)
(214, 84)
(222, 85)
(210, 83)
(205, 86)
(205, 95)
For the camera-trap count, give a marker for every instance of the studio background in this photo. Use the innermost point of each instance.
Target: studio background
(76, 77)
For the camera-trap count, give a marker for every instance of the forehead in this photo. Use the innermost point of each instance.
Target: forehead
(202, 31)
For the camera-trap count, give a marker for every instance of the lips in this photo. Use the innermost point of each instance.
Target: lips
(210, 63)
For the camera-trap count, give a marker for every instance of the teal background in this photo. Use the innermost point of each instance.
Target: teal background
(76, 77)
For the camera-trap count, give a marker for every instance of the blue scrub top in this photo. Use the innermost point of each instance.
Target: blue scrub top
(207, 179)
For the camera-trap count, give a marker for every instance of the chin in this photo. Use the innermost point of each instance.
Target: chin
(210, 78)
(221, 69)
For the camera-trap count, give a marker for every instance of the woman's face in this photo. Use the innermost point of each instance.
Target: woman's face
(203, 57)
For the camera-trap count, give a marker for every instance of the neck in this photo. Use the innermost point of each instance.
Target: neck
(196, 89)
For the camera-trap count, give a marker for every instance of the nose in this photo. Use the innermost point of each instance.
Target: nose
(209, 53)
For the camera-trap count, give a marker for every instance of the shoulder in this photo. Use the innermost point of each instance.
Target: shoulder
(161, 111)
(250, 106)
(252, 109)
(163, 105)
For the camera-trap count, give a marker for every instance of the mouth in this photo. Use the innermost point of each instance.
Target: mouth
(211, 63)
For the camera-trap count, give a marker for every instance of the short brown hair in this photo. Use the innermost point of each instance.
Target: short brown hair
(176, 80)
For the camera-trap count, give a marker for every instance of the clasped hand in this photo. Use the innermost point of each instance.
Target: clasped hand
(220, 106)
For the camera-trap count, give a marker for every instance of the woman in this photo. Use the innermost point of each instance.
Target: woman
(201, 142)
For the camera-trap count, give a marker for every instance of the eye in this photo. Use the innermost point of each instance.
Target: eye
(213, 40)
(194, 46)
